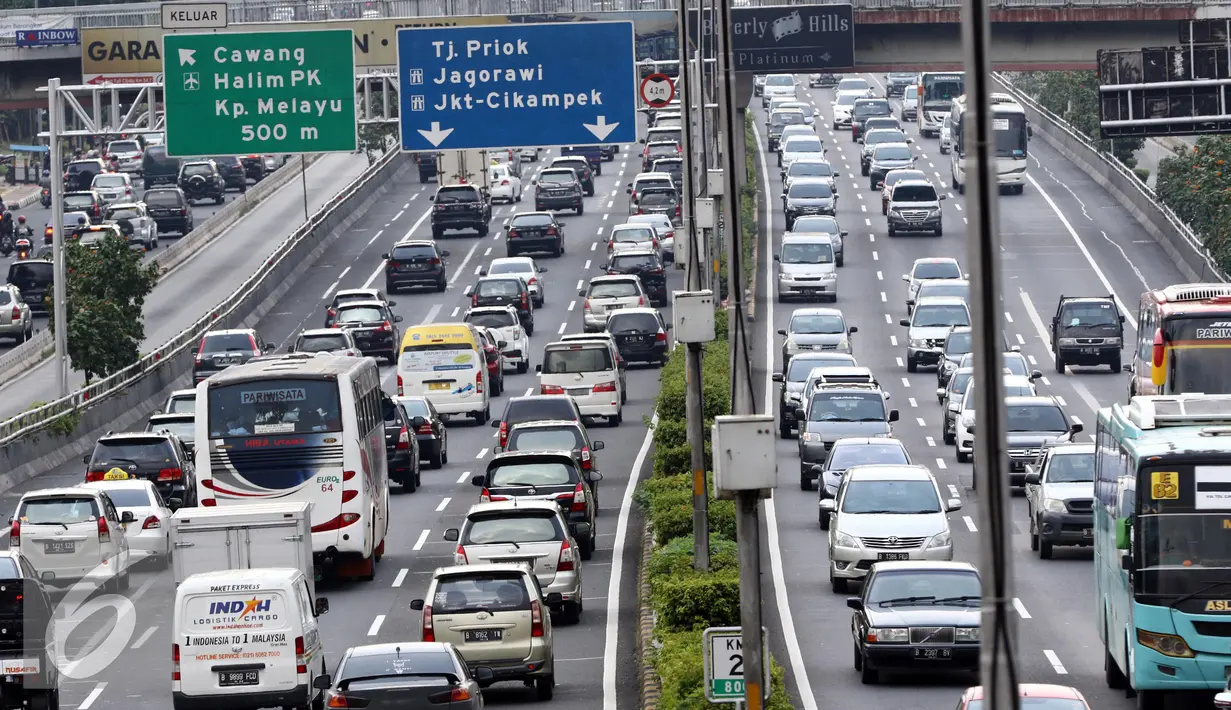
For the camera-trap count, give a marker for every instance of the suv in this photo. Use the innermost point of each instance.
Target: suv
(534, 231)
(79, 174)
(813, 329)
(657, 150)
(71, 534)
(182, 425)
(855, 451)
(32, 278)
(127, 155)
(554, 476)
(865, 109)
(87, 201)
(460, 207)
(27, 638)
(254, 167)
(1060, 498)
(795, 373)
(232, 171)
(581, 167)
(835, 411)
(1033, 422)
(558, 189)
(135, 223)
(416, 263)
(220, 349)
(914, 206)
(158, 457)
(823, 80)
(646, 265)
(780, 119)
(535, 408)
(806, 268)
(170, 209)
(663, 201)
(808, 196)
(826, 225)
(506, 290)
(640, 335)
(929, 326)
(350, 295)
(201, 179)
(958, 342)
(886, 157)
(553, 435)
(402, 446)
(374, 327)
(1087, 331)
(605, 294)
(533, 532)
(497, 617)
(158, 168)
(507, 324)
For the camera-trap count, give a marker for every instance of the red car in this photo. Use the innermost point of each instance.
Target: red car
(1035, 696)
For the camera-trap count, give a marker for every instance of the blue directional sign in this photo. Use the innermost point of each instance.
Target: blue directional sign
(514, 86)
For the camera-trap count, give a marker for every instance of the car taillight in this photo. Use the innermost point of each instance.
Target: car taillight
(586, 306)
(404, 438)
(428, 633)
(586, 459)
(1158, 351)
(459, 556)
(389, 266)
(301, 663)
(566, 563)
(641, 301)
(579, 499)
(633, 196)
(15, 533)
(94, 476)
(536, 619)
(656, 270)
(504, 433)
(151, 523)
(478, 382)
(551, 389)
(485, 496)
(175, 661)
(425, 429)
(525, 300)
(474, 299)
(399, 385)
(514, 233)
(104, 532)
(433, 262)
(331, 313)
(170, 474)
(504, 182)
(605, 387)
(654, 242)
(385, 327)
(532, 281)
(661, 337)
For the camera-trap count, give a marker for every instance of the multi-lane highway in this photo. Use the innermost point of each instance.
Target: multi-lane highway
(187, 292)
(1063, 235)
(378, 611)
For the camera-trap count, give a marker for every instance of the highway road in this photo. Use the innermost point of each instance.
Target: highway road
(186, 293)
(378, 611)
(1063, 235)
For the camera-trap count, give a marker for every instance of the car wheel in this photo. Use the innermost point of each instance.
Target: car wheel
(444, 448)
(123, 582)
(1034, 536)
(962, 456)
(570, 613)
(586, 547)
(617, 419)
(219, 199)
(837, 583)
(523, 367)
(869, 676)
(1044, 550)
(1060, 364)
(784, 429)
(544, 688)
(444, 284)
(912, 365)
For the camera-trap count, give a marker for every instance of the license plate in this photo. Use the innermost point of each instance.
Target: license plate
(437, 386)
(933, 654)
(483, 635)
(1089, 351)
(59, 547)
(232, 678)
(892, 556)
(808, 290)
(613, 306)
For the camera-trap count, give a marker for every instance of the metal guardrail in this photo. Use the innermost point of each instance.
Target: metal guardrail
(1145, 192)
(30, 421)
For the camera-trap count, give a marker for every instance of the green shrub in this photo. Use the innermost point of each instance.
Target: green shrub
(715, 383)
(679, 665)
(667, 501)
(676, 556)
(691, 600)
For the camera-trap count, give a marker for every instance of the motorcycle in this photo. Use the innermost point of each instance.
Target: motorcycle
(46, 197)
(6, 245)
(23, 249)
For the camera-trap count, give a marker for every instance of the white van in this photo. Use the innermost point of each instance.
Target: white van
(246, 639)
(587, 372)
(444, 363)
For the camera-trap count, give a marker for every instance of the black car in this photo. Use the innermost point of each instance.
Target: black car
(958, 342)
(373, 326)
(505, 291)
(221, 349)
(534, 408)
(534, 232)
(917, 616)
(897, 81)
(432, 435)
(640, 335)
(558, 189)
(352, 295)
(158, 168)
(657, 151)
(414, 264)
(87, 201)
(460, 207)
(808, 196)
(555, 435)
(417, 675)
(170, 209)
(232, 171)
(26, 627)
(183, 425)
(202, 180)
(157, 457)
(254, 167)
(79, 174)
(32, 278)
(546, 475)
(659, 200)
(646, 266)
(823, 80)
(401, 447)
(865, 109)
(581, 167)
(1087, 331)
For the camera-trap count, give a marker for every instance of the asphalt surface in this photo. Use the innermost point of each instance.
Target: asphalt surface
(1064, 235)
(187, 292)
(595, 659)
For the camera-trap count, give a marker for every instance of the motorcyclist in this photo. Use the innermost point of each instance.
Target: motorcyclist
(23, 229)
(6, 225)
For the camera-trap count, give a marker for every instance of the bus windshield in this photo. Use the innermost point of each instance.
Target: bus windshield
(1189, 541)
(939, 90)
(274, 406)
(1193, 365)
(1010, 135)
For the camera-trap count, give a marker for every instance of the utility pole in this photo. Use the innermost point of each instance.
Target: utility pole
(999, 634)
(55, 119)
(692, 364)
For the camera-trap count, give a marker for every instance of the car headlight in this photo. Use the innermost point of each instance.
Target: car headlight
(1112, 341)
(789, 344)
(934, 213)
(889, 635)
(968, 421)
(810, 437)
(843, 344)
(1054, 505)
(844, 540)
(962, 635)
(941, 540)
(1068, 341)
(918, 343)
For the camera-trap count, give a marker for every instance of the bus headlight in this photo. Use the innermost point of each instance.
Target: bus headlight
(1166, 644)
(1054, 505)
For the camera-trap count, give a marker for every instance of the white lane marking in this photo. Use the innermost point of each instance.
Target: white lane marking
(940, 464)
(529, 391)
(970, 523)
(465, 474)
(397, 581)
(1021, 608)
(431, 314)
(901, 363)
(329, 290)
(380, 268)
(587, 266)
(953, 491)
(456, 310)
(1032, 360)
(572, 305)
(921, 422)
(1046, 382)
(959, 207)
(880, 276)
(1053, 659)
(144, 637)
(422, 539)
(1075, 418)
(1061, 401)
(905, 382)
(931, 442)
(89, 699)
(1045, 337)
(562, 327)
(593, 246)
(481, 454)
(487, 251)
(344, 273)
(445, 502)
(875, 256)
(888, 318)
(1020, 339)
(375, 627)
(478, 269)
(912, 401)
(612, 643)
(581, 284)
(398, 216)
(1008, 317)
(376, 236)
(884, 298)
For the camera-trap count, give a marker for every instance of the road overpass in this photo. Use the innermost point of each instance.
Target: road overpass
(123, 43)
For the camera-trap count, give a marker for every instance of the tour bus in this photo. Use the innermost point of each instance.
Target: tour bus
(937, 90)
(301, 428)
(1010, 130)
(1162, 517)
(1183, 340)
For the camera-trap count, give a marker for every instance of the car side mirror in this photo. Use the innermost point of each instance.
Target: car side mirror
(269, 347)
(322, 682)
(431, 198)
(482, 271)
(844, 232)
(597, 445)
(322, 606)
(893, 415)
(385, 257)
(827, 505)
(1121, 319)
(127, 517)
(392, 303)
(502, 343)
(582, 293)
(1076, 428)
(397, 319)
(603, 267)
(906, 278)
(477, 481)
(905, 322)
(175, 504)
(484, 675)
(452, 535)
(942, 198)
(971, 429)
(1127, 367)
(853, 329)
(953, 504)
(1033, 479)
(538, 369)
(667, 326)
(542, 270)
(854, 603)
(595, 476)
(86, 459)
(800, 414)
(782, 331)
(497, 449)
(777, 377)
(495, 423)
(445, 253)
(416, 605)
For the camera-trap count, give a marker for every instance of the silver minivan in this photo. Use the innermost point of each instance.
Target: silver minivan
(835, 411)
(807, 268)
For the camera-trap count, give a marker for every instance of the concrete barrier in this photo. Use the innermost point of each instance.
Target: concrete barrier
(36, 447)
(1175, 237)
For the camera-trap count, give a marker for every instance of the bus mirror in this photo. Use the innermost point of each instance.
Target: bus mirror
(1123, 526)
(1126, 562)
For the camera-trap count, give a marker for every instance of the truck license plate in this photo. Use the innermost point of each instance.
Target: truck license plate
(232, 678)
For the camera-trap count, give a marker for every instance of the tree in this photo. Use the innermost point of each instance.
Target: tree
(1074, 96)
(106, 291)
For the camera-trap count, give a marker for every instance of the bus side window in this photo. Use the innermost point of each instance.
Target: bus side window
(1145, 333)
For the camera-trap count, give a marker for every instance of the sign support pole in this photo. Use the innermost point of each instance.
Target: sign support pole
(997, 662)
(55, 119)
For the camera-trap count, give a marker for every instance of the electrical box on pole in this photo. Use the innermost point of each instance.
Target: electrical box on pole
(693, 312)
(714, 183)
(744, 447)
(706, 213)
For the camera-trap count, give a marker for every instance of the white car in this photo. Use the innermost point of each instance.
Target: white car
(181, 402)
(946, 136)
(149, 535)
(843, 105)
(800, 148)
(807, 109)
(524, 267)
(665, 230)
(326, 342)
(127, 154)
(113, 187)
(587, 372)
(632, 236)
(530, 155)
(857, 85)
(504, 320)
(932, 267)
(504, 185)
(644, 180)
(72, 534)
(605, 294)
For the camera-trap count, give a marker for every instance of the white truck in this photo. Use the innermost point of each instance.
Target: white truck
(256, 536)
(458, 167)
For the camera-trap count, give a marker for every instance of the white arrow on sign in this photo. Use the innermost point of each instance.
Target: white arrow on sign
(186, 57)
(437, 135)
(601, 129)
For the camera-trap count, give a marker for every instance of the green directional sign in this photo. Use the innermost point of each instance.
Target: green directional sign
(233, 93)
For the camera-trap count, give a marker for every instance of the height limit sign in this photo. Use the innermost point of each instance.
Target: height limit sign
(724, 664)
(657, 90)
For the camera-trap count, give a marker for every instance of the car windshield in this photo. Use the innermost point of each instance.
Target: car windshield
(498, 287)
(124, 213)
(959, 381)
(633, 262)
(892, 152)
(801, 367)
(510, 267)
(847, 407)
(882, 122)
(197, 169)
(816, 224)
(807, 253)
(937, 289)
(853, 85)
(803, 145)
(817, 324)
(78, 200)
(456, 594)
(632, 323)
(540, 473)
(843, 457)
(512, 527)
(559, 176)
(896, 497)
(123, 147)
(958, 343)
(810, 190)
(184, 430)
(806, 168)
(161, 197)
(109, 181)
(492, 319)
(786, 118)
(780, 80)
(664, 149)
(1038, 703)
(450, 195)
(186, 404)
(323, 343)
(576, 358)
(914, 193)
(935, 316)
(360, 314)
(915, 586)
(50, 511)
(152, 450)
(1071, 468)
(1035, 417)
(878, 107)
(937, 270)
(532, 220)
(563, 438)
(658, 197)
(415, 408)
(633, 234)
(129, 497)
(1089, 315)
(379, 672)
(614, 289)
(668, 166)
(538, 409)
